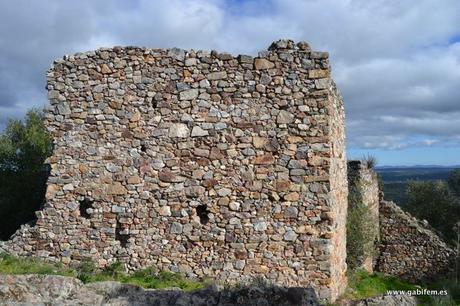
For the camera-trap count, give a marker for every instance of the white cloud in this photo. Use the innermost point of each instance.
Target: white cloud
(391, 59)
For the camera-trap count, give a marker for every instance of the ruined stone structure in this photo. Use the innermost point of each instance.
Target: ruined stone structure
(410, 249)
(204, 163)
(406, 247)
(364, 189)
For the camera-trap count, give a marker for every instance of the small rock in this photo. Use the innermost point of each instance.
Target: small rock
(290, 236)
(189, 94)
(105, 69)
(199, 132)
(284, 117)
(176, 228)
(260, 226)
(179, 130)
(291, 212)
(224, 192)
(217, 75)
(165, 211)
(265, 159)
(116, 189)
(293, 196)
(262, 63)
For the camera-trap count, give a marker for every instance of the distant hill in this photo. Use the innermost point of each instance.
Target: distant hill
(395, 178)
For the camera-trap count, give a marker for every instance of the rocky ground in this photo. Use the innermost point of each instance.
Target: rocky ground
(52, 290)
(60, 290)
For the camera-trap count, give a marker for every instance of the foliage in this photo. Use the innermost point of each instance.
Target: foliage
(395, 192)
(433, 201)
(361, 230)
(87, 273)
(450, 285)
(454, 181)
(370, 161)
(380, 182)
(362, 284)
(148, 278)
(23, 149)
(15, 265)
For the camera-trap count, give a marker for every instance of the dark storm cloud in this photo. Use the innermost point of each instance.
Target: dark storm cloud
(396, 62)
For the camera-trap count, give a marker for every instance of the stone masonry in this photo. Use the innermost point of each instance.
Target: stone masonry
(410, 249)
(197, 162)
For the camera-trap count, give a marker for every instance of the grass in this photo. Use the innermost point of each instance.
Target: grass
(362, 284)
(87, 273)
(14, 265)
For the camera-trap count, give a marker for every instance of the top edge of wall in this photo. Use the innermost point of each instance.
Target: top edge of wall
(282, 45)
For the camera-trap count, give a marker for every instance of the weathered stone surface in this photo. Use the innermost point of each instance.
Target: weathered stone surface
(166, 175)
(60, 290)
(262, 63)
(116, 189)
(388, 300)
(284, 117)
(198, 132)
(179, 130)
(188, 157)
(188, 94)
(318, 74)
(426, 256)
(265, 159)
(217, 75)
(45, 290)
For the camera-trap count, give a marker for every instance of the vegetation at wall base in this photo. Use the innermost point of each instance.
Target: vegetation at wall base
(148, 278)
(362, 284)
(361, 230)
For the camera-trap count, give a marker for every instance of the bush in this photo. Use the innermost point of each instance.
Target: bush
(454, 182)
(370, 161)
(433, 201)
(362, 233)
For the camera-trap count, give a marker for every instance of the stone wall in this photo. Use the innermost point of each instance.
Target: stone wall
(197, 162)
(409, 249)
(364, 189)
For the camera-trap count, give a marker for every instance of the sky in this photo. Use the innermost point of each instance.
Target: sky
(396, 62)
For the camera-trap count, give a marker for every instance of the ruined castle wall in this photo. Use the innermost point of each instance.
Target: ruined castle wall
(409, 248)
(338, 193)
(196, 162)
(364, 189)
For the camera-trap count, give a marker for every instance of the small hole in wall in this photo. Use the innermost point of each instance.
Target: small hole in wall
(202, 212)
(84, 206)
(143, 148)
(123, 238)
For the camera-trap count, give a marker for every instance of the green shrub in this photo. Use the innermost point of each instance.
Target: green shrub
(362, 284)
(424, 198)
(14, 265)
(88, 273)
(362, 232)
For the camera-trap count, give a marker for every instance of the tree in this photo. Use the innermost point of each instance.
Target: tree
(454, 181)
(23, 149)
(434, 201)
